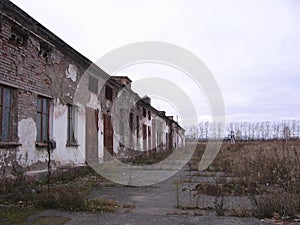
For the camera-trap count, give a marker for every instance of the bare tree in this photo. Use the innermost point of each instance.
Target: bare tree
(245, 130)
(201, 130)
(206, 130)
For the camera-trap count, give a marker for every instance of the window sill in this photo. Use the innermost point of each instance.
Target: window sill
(72, 144)
(9, 144)
(41, 144)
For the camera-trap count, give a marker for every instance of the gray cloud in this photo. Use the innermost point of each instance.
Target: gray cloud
(251, 47)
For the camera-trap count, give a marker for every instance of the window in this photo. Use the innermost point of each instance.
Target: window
(44, 50)
(144, 112)
(6, 114)
(71, 124)
(17, 36)
(42, 119)
(108, 93)
(149, 115)
(93, 84)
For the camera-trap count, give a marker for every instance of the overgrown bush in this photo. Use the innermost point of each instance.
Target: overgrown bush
(102, 205)
(63, 199)
(67, 190)
(283, 203)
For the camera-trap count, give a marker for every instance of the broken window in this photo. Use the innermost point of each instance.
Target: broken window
(71, 124)
(44, 50)
(17, 36)
(6, 113)
(108, 93)
(42, 119)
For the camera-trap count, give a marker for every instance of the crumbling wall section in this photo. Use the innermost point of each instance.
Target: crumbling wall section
(34, 67)
(34, 62)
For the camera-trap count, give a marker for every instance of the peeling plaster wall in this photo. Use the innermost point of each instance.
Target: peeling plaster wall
(7, 157)
(63, 154)
(45, 66)
(80, 131)
(31, 74)
(93, 102)
(27, 154)
(71, 72)
(181, 140)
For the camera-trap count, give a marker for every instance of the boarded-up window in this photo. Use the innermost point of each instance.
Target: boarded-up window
(42, 119)
(18, 36)
(93, 84)
(6, 113)
(71, 124)
(108, 93)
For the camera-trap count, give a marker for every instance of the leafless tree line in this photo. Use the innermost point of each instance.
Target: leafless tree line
(245, 130)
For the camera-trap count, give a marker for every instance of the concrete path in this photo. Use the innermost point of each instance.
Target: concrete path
(140, 219)
(154, 204)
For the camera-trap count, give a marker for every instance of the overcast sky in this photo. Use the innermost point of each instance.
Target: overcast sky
(251, 47)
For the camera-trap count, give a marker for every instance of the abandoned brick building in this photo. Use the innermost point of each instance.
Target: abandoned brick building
(39, 76)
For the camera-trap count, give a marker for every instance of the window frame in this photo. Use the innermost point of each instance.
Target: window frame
(10, 128)
(93, 84)
(71, 120)
(43, 112)
(108, 92)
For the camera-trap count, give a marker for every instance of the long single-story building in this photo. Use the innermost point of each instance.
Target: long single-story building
(39, 79)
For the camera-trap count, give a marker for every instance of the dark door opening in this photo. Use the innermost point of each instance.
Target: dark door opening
(108, 137)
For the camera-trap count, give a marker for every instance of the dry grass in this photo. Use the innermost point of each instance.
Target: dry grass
(68, 190)
(270, 169)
